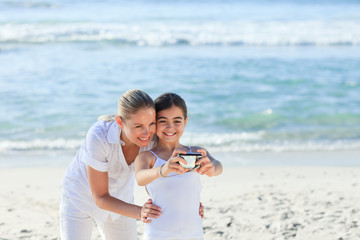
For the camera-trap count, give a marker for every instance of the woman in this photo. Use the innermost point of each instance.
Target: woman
(98, 184)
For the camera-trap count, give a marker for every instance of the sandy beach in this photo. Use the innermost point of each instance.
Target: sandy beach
(272, 202)
(271, 88)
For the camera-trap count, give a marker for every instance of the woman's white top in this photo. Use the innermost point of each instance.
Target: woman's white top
(102, 151)
(179, 199)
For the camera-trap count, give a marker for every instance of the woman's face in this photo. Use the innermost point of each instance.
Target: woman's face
(139, 127)
(170, 124)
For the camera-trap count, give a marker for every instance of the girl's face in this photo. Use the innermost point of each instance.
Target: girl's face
(139, 127)
(170, 124)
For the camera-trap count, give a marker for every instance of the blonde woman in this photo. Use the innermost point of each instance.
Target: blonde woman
(98, 184)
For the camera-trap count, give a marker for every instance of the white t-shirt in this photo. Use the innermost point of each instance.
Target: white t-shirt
(102, 151)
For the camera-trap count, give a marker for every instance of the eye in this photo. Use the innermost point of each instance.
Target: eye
(153, 123)
(138, 126)
(178, 122)
(162, 121)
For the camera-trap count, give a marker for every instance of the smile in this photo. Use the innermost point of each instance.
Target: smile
(169, 134)
(144, 139)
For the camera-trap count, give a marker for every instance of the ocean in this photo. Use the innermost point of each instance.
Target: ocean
(258, 76)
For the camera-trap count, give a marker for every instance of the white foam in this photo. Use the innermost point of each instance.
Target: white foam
(235, 142)
(269, 33)
(288, 146)
(254, 142)
(39, 144)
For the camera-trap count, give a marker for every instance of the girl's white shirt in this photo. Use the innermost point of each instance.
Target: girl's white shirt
(179, 199)
(102, 151)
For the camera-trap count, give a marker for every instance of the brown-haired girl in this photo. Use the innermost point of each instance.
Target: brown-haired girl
(171, 186)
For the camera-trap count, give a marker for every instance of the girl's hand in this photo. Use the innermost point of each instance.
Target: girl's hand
(201, 210)
(206, 165)
(172, 165)
(149, 210)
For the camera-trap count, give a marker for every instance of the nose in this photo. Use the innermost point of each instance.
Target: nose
(145, 132)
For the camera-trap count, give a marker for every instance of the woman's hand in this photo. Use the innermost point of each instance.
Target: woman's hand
(206, 165)
(172, 165)
(149, 210)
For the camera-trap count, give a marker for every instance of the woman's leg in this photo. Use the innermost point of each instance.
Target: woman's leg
(119, 229)
(74, 223)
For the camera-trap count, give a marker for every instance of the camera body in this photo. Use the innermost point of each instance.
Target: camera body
(190, 159)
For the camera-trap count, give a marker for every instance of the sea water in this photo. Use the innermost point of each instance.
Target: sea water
(256, 75)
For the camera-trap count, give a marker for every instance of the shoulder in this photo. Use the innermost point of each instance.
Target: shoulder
(146, 155)
(100, 127)
(145, 158)
(98, 132)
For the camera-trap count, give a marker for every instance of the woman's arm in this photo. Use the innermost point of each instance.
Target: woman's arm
(99, 185)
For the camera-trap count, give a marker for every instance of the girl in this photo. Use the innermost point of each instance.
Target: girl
(172, 187)
(98, 184)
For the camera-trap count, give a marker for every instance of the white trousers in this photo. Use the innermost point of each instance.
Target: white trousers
(77, 225)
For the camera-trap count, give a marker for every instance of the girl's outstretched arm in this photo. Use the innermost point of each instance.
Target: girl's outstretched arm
(145, 173)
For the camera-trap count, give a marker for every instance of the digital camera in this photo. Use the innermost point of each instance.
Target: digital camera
(190, 159)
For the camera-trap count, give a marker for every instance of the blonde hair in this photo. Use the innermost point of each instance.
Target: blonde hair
(129, 103)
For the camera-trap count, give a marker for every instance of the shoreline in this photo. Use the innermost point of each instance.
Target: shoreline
(343, 158)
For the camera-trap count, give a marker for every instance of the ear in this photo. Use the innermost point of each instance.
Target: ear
(119, 122)
(186, 120)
